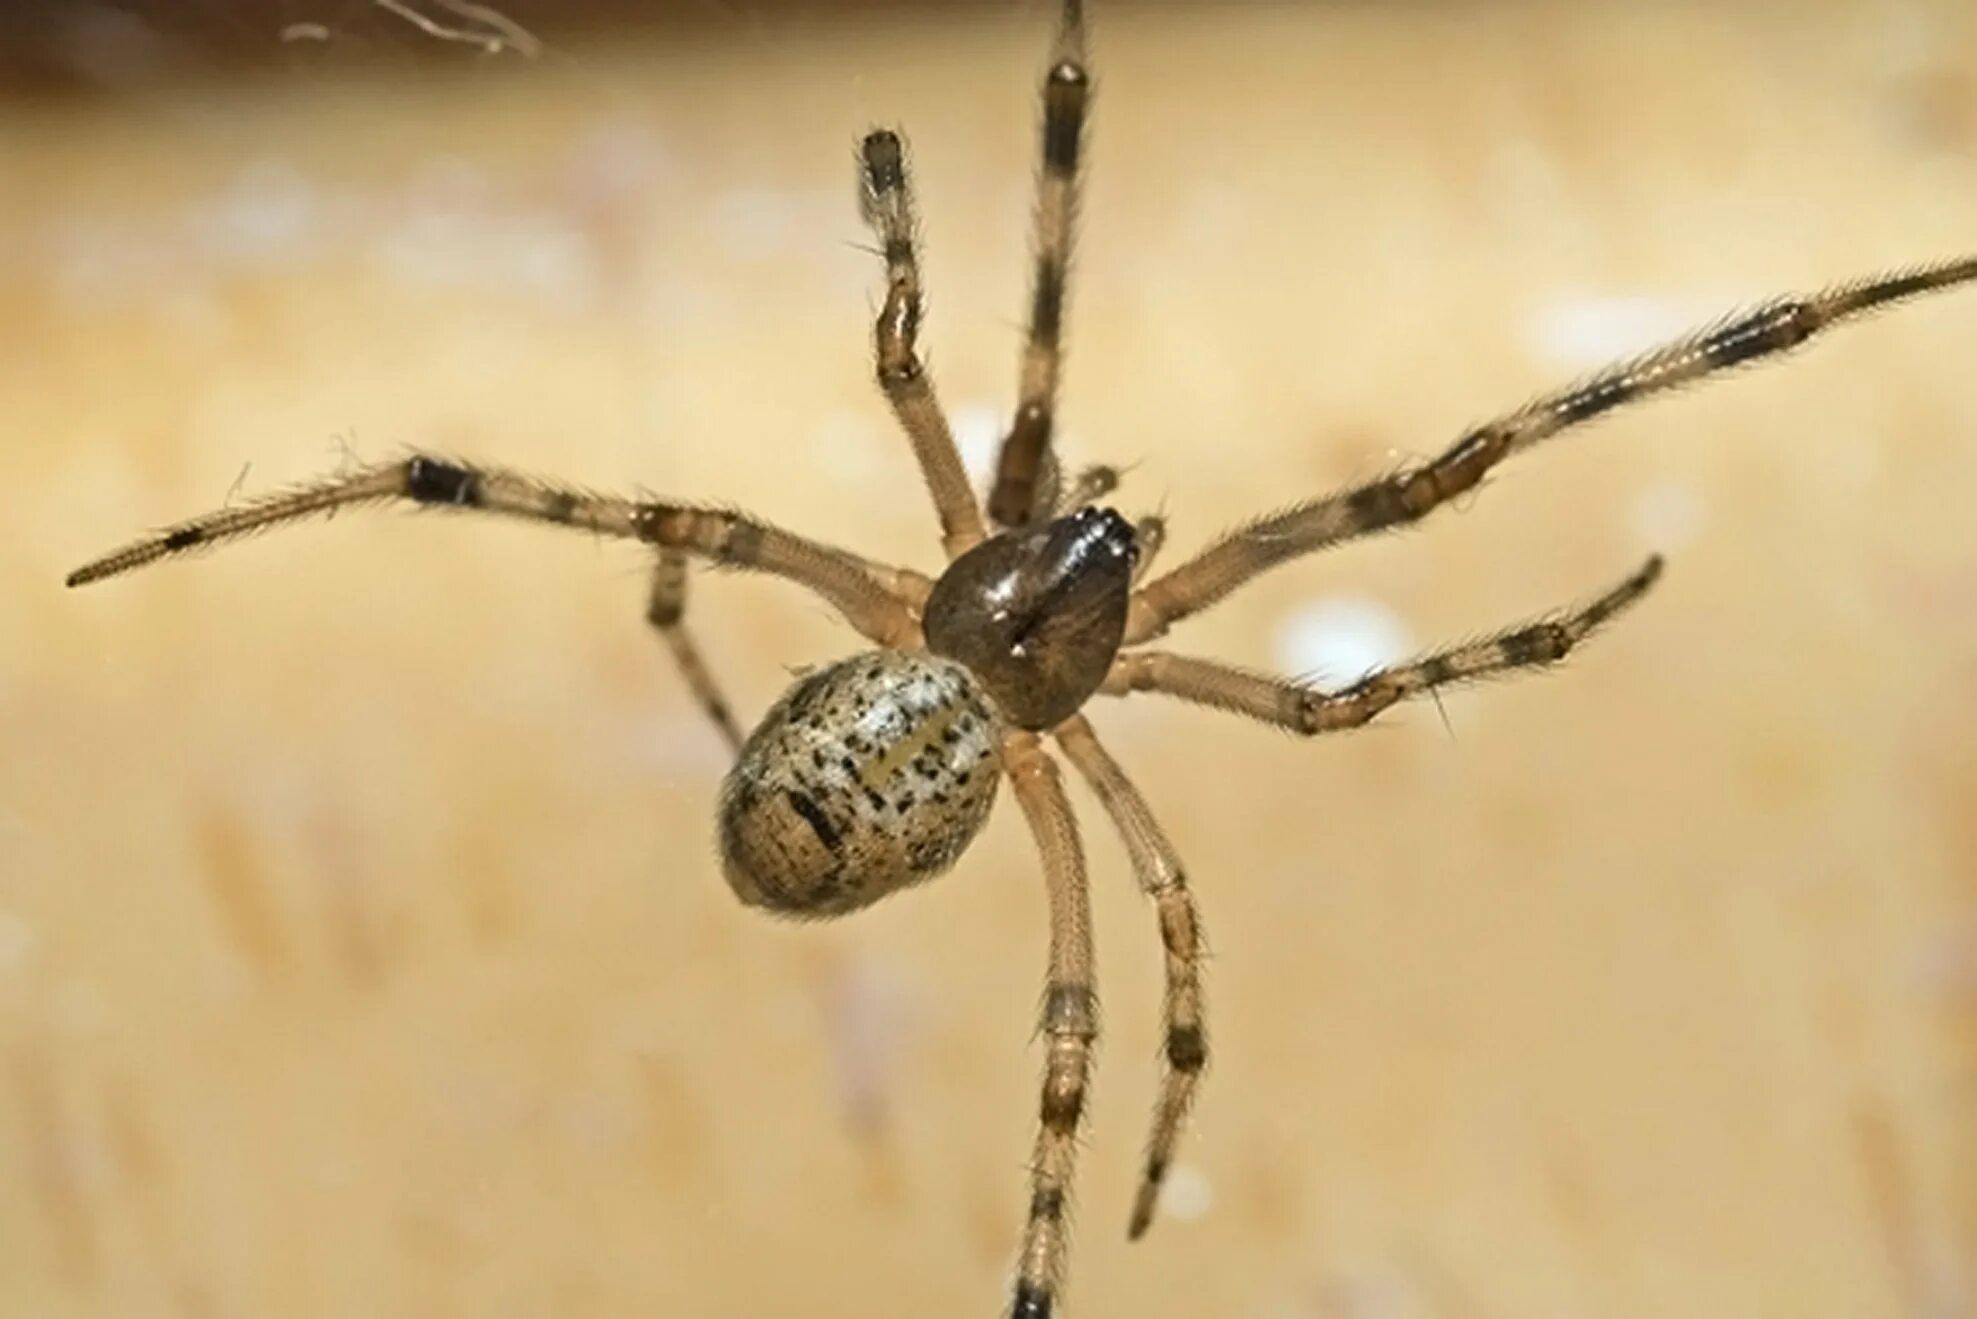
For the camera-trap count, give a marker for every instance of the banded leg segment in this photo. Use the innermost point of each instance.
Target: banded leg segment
(1158, 867)
(666, 611)
(1069, 1023)
(1303, 709)
(716, 535)
(888, 205)
(1416, 491)
(1026, 469)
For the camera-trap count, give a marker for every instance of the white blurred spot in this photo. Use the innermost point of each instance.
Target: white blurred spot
(532, 255)
(618, 160)
(453, 231)
(1367, 1294)
(548, 259)
(1339, 640)
(1187, 1197)
(978, 433)
(265, 212)
(1668, 516)
(1582, 333)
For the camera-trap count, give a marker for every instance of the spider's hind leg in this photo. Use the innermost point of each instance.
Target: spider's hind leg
(1158, 868)
(1069, 1023)
(666, 610)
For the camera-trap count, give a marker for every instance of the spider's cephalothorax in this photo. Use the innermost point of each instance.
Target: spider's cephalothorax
(876, 772)
(1037, 615)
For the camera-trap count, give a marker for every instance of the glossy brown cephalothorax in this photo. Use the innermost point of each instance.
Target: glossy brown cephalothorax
(874, 773)
(1037, 615)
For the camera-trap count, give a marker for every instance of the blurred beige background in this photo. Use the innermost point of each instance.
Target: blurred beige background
(362, 950)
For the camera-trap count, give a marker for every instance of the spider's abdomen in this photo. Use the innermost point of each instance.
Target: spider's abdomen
(869, 775)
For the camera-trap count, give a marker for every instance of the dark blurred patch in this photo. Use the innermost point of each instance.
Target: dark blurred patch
(93, 48)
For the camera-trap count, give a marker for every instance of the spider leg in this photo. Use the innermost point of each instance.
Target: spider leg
(887, 197)
(716, 535)
(1092, 484)
(1069, 1023)
(1149, 534)
(666, 611)
(1304, 709)
(1026, 472)
(1415, 491)
(1158, 867)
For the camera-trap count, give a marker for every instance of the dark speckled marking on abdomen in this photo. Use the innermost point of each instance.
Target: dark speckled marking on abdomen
(871, 774)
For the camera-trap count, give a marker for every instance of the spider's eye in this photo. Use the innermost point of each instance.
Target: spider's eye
(1037, 615)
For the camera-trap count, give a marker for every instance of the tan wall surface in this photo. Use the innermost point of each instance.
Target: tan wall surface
(362, 951)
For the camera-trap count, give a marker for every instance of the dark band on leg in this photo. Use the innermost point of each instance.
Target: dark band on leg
(433, 481)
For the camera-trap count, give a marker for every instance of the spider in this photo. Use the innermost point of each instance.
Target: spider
(874, 773)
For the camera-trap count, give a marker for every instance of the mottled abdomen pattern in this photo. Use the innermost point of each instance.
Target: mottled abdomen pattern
(869, 775)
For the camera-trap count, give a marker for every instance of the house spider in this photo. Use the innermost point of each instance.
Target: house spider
(874, 773)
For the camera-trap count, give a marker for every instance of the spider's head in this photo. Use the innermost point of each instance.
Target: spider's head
(1037, 613)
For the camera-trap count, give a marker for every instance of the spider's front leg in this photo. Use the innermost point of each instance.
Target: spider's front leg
(887, 196)
(871, 600)
(1414, 492)
(1305, 709)
(1026, 471)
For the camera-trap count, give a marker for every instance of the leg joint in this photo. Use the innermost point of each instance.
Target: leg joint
(1070, 1011)
(1033, 1301)
(1187, 1048)
(885, 161)
(1544, 644)
(431, 481)
(1063, 1105)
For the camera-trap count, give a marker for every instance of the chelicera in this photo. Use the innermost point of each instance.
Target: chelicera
(876, 772)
